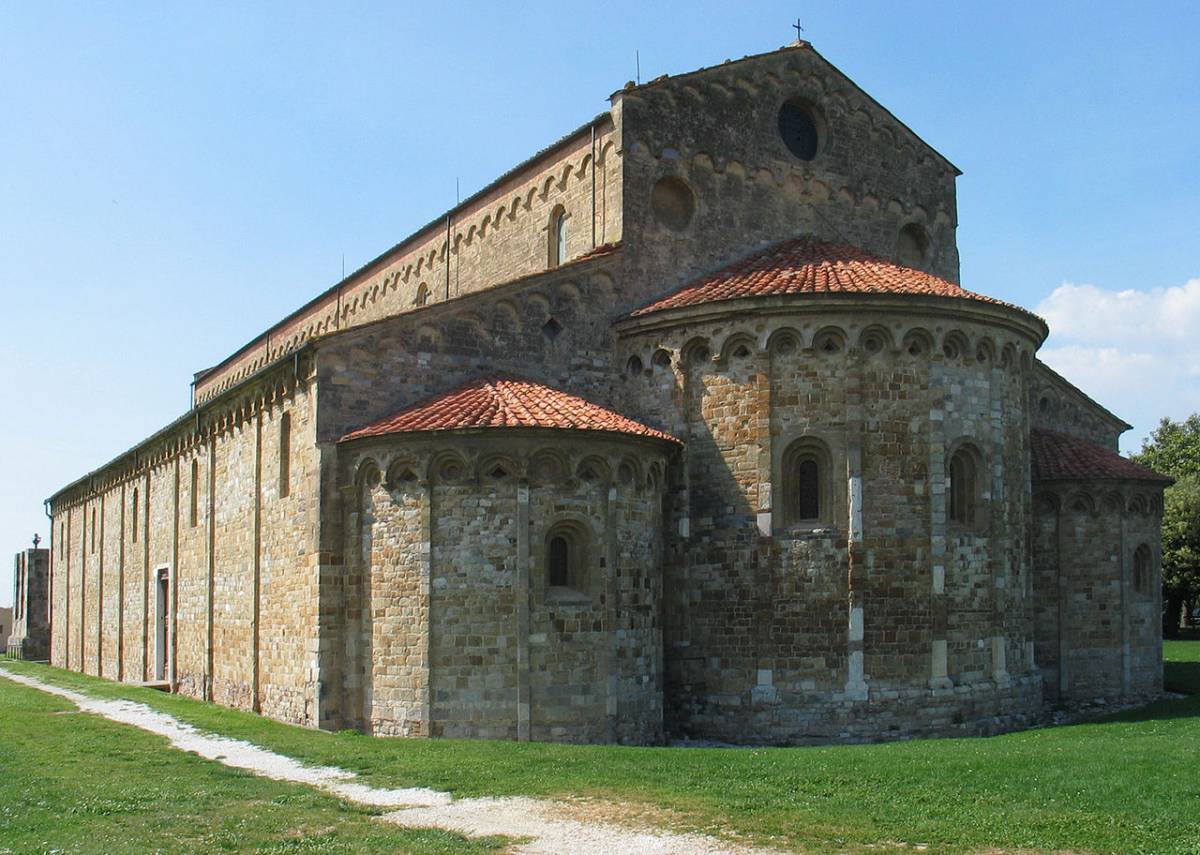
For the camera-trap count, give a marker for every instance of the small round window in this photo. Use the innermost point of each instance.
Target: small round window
(673, 203)
(801, 126)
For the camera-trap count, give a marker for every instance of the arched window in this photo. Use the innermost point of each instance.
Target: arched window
(807, 493)
(422, 295)
(1141, 569)
(566, 557)
(558, 237)
(964, 487)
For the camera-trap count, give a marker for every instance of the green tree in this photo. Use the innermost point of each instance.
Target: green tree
(1174, 449)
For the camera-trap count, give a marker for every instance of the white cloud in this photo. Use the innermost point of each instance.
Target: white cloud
(1136, 352)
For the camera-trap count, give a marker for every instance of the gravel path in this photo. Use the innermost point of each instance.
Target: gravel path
(548, 828)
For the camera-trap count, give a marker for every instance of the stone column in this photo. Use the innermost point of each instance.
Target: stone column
(100, 592)
(428, 524)
(938, 676)
(856, 679)
(256, 570)
(609, 659)
(523, 594)
(998, 528)
(1063, 514)
(211, 528)
(764, 690)
(1124, 569)
(121, 585)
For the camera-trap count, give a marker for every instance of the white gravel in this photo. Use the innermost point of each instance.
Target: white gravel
(548, 828)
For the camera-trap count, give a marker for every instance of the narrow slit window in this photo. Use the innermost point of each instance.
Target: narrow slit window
(93, 529)
(133, 528)
(285, 455)
(809, 477)
(195, 495)
(558, 237)
(1141, 569)
(560, 562)
(807, 498)
(962, 488)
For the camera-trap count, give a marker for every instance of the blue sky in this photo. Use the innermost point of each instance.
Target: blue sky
(175, 177)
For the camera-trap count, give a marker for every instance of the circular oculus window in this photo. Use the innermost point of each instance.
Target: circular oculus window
(800, 127)
(673, 203)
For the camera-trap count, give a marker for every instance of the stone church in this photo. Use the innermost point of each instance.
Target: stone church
(682, 427)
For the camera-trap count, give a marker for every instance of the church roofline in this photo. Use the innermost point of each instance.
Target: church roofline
(796, 45)
(604, 251)
(455, 303)
(397, 249)
(1116, 420)
(806, 269)
(503, 402)
(1057, 456)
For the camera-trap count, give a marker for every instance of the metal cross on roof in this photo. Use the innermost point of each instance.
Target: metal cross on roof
(799, 29)
(36, 540)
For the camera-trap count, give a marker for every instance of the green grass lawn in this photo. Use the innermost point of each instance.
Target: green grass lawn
(75, 783)
(1130, 784)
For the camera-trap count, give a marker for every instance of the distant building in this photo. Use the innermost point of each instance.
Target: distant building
(29, 633)
(6, 624)
(682, 426)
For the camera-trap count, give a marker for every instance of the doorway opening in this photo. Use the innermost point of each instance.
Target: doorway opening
(162, 624)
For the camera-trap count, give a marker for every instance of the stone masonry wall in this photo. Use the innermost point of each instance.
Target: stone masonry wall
(1098, 634)
(1054, 404)
(881, 616)
(454, 629)
(239, 559)
(718, 131)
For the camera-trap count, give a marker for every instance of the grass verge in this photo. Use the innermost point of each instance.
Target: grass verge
(78, 783)
(1125, 785)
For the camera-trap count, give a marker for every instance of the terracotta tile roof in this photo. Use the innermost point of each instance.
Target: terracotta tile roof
(1061, 457)
(503, 401)
(810, 266)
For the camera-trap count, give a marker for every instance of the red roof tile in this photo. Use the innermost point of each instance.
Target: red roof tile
(500, 401)
(809, 266)
(1061, 457)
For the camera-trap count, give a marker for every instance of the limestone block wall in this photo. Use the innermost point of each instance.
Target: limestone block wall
(199, 507)
(882, 615)
(499, 235)
(452, 626)
(717, 131)
(1098, 625)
